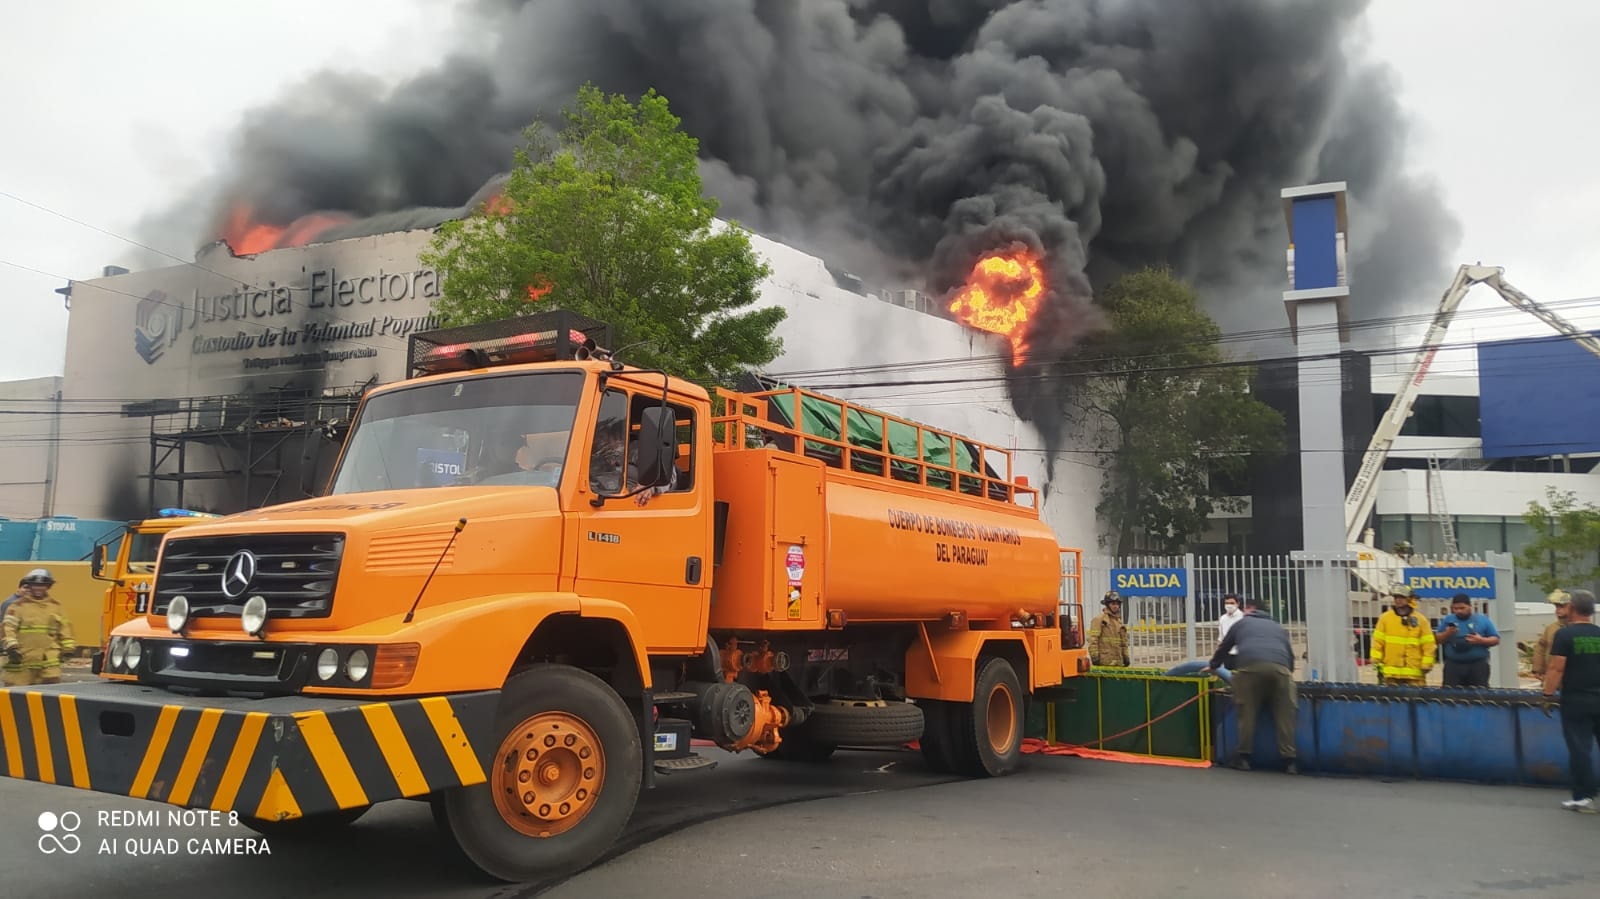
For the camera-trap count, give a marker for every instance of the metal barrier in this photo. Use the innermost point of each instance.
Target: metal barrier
(1493, 736)
(1132, 710)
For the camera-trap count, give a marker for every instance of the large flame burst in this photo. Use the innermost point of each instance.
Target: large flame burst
(246, 236)
(1000, 296)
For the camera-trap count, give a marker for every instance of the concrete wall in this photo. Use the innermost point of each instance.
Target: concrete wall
(27, 441)
(1479, 492)
(318, 318)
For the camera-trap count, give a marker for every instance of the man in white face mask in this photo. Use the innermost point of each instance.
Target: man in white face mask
(1230, 614)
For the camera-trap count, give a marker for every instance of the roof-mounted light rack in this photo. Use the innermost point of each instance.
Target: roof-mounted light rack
(553, 336)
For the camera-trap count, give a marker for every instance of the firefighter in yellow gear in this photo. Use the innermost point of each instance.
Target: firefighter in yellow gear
(1108, 636)
(35, 633)
(1562, 600)
(1402, 642)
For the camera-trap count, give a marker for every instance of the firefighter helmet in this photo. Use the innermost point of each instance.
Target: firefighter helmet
(1559, 597)
(1110, 597)
(38, 576)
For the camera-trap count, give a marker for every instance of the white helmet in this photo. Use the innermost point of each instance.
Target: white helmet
(38, 576)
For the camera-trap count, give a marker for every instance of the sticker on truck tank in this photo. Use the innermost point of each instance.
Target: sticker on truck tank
(795, 561)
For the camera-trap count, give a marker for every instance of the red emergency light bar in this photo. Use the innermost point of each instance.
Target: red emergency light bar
(539, 346)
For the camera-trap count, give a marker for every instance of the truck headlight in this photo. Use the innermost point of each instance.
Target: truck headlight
(254, 615)
(177, 614)
(328, 664)
(119, 648)
(358, 666)
(134, 652)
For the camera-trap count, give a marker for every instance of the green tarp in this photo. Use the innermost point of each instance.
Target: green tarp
(821, 418)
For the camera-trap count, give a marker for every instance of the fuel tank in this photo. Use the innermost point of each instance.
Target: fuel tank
(801, 539)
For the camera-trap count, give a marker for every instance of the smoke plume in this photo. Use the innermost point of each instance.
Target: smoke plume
(904, 138)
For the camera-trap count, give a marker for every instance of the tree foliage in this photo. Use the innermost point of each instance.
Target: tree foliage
(1174, 413)
(1566, 537)
(608, 219)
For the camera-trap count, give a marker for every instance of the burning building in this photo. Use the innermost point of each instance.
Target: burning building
(224, 384)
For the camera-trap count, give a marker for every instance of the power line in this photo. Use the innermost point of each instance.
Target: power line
(107, 233)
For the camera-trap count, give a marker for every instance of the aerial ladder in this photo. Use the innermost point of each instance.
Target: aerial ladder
(1363, 491)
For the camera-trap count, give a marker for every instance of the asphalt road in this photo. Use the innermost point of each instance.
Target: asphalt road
(879, 826)
(393, 850)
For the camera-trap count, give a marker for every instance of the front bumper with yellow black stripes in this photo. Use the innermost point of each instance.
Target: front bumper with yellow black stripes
(277, 758)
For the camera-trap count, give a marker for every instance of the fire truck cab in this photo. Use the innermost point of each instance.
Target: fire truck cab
(126, 561)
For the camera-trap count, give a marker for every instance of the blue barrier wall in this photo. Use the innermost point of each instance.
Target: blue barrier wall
(67, 539)
(1538, 397)
(16, 540)
(1481, 736)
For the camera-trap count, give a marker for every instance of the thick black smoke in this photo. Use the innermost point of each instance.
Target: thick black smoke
(904, 138)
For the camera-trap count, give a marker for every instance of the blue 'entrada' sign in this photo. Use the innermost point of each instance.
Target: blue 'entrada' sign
(1444, 583)
(1150, 581)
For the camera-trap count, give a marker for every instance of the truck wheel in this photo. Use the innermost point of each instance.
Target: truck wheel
(872, 724)
(562, 783)
(986, 733)
(311, 827)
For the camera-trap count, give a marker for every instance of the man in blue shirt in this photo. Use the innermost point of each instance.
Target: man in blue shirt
(1464, 639)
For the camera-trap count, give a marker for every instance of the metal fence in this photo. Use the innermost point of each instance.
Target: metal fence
(1165, 630)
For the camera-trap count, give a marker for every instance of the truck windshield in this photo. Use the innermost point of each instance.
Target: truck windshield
(142, 551)
(503, 429)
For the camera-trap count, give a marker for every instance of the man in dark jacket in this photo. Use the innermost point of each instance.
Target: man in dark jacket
(1263, 673)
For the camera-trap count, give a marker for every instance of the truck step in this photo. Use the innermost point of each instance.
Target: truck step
(670, 697)
(691, 762)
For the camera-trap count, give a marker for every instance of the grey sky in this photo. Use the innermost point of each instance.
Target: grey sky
(113, 108)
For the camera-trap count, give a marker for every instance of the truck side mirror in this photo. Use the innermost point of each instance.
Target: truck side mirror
(97, 562)
(658, 445)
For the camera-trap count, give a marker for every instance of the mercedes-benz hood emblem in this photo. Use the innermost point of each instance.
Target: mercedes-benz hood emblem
(238, 573)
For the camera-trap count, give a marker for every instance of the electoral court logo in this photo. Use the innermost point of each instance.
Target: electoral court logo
(154, 325)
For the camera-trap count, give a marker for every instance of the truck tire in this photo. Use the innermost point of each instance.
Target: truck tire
(886, 724)
(564, 727)
(981, 738)
(313, 827)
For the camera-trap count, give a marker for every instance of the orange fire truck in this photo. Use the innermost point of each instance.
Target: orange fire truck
(537, 573)
(127, 560)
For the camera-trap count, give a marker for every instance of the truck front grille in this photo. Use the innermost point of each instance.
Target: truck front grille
(294, 573)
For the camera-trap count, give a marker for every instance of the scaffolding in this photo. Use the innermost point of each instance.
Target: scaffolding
(244, 439)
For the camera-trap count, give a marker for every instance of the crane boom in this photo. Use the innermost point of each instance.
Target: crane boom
(1363, 491)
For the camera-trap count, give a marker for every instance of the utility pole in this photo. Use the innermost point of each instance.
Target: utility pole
(1317, 305)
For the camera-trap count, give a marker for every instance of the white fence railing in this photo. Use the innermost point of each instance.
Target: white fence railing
(1172, 603)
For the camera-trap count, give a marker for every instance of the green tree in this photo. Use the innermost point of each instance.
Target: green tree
(607, 219)
(1566, 537)
(1175, 416)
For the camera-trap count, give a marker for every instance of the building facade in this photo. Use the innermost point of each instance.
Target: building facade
(220, 385)
(1461, 459)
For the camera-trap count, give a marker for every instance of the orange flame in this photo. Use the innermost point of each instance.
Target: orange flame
(497, 205)
(246, 236)
(1000, 296)
(538, 292)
